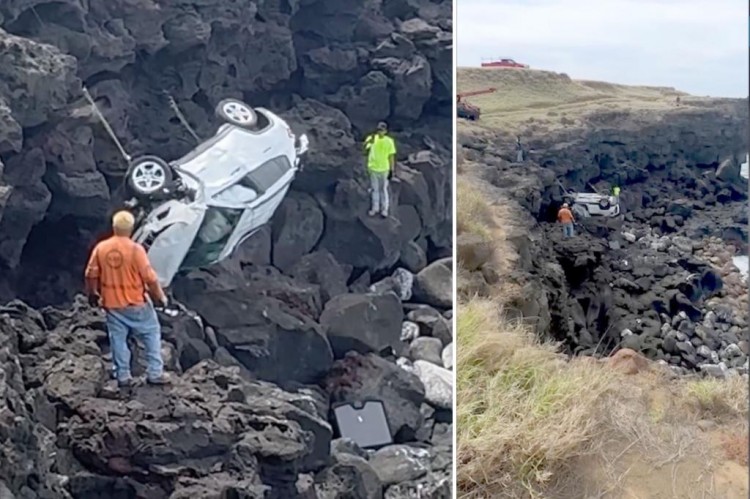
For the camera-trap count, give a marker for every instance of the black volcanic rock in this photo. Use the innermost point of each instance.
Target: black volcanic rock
(244, 417)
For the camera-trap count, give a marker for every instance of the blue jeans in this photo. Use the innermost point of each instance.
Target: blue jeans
(568, 230)
(143, 322)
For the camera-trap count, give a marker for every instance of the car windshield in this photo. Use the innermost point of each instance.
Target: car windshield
(266, 175)
(218, 224)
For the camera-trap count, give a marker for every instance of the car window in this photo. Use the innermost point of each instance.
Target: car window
(216, 228)
(266, 175)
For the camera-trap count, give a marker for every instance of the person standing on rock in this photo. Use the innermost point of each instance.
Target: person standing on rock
(118, 277)
(381, 162)
(565, 217)
(616, 193)
(519, 150)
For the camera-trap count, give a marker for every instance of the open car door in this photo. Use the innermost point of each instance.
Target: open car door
(168, 234)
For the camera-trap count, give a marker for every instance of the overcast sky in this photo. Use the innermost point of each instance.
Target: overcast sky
(698, 46)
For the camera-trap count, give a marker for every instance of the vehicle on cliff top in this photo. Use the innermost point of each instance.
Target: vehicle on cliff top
(503, 62)
(584, 205)
(467, 111)
(195, 211)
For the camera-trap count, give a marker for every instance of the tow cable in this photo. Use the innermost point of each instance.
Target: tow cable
(106, 125)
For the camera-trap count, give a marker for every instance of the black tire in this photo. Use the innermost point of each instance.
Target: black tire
(148, 176)
(604, 204)
(237, 113)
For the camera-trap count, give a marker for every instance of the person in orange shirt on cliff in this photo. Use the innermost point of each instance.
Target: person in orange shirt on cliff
(118, 276)
(565, 217)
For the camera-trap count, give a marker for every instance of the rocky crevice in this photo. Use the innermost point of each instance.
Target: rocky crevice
(649, 280)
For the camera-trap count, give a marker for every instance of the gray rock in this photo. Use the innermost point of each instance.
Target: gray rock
(400, 283)
(686, 348)
(438, 383)
(704, 352)
(434, 284)
(708, 336)
(717, 371)
(731, 351)
(426, 348)
(400, 463)
(432, 323)
(363, 323)
(349, 476)
(409, 331)
(347, 446)
(709, 321)
(448, 357)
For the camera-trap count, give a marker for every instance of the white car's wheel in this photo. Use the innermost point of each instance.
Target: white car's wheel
(148, 175)
(237, 113)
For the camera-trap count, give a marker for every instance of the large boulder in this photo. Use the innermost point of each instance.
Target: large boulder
(363, 322)
(297, 227)
(368, 242)
(265, 334)
(434, 284)
(321, 268)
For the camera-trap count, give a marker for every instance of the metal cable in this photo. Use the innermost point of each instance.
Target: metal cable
(181, 117)
(106, 125)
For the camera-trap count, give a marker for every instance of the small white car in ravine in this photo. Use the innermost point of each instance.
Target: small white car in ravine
(196, 210)
(584, 205)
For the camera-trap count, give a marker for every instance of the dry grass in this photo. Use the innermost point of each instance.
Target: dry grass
(718, 399)
(532, 424)
(523, 412)
(473, 212)
(552, 99)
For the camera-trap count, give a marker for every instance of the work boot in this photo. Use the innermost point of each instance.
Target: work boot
(126, 384)
(160, 381)
(372, 213)
(384, 214)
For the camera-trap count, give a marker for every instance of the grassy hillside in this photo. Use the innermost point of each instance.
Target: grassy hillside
(552, 97)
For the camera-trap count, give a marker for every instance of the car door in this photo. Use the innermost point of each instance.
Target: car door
(174, 234)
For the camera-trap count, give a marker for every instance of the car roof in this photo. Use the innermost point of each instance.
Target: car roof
(589, 196)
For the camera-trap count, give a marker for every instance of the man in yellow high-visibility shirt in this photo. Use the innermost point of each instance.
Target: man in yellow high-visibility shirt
(381, 160)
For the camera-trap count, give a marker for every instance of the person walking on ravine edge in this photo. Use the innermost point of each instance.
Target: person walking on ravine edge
(565, 217)
(381, 162)
(118, 277)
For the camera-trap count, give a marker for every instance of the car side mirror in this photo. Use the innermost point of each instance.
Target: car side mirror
(303, 144)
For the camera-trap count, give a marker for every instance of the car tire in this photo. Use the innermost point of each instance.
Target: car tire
(148, 175)
(237, 113)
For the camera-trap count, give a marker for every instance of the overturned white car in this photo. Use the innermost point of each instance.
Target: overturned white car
(584, 205)
(196, 210)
